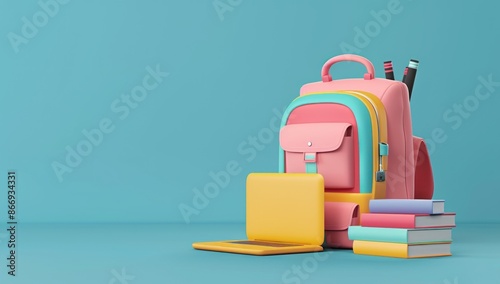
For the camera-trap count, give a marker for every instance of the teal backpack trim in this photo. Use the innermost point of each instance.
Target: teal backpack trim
(311, 166)
(365, 132)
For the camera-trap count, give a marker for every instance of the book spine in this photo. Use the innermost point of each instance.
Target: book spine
(388, 220)
(401, 206)
(378, 249)
(378, 234)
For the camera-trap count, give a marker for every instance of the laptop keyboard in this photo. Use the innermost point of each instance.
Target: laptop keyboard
(267, 244)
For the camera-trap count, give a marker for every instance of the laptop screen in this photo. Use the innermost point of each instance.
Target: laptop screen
(285, 208)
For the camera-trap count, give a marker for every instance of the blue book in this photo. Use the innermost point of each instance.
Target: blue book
(404, 236)
(407, 206)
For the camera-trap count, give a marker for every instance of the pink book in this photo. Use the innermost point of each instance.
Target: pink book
(409, 221)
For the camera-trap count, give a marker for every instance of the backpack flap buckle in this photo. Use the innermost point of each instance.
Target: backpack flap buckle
(310, 160)
(310, 157)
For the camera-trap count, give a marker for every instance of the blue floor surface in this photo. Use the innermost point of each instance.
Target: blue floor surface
(162, 253)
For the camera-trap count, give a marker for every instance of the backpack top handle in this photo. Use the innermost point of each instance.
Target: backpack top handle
(325, 71)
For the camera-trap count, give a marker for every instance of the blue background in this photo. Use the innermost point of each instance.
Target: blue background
(230, 76)
(226, 76)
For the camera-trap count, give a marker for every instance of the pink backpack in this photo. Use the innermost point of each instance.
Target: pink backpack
(357, 133)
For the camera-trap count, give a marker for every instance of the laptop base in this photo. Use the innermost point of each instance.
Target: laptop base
(256, 247)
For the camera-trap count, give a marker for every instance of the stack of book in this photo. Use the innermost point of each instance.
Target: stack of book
(404, 228)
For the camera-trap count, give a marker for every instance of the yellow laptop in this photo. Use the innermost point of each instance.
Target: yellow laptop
(285, 214)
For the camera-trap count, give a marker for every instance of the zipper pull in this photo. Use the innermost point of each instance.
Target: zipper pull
(383, 150)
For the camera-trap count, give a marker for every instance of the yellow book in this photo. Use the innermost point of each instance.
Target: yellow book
(401, 250)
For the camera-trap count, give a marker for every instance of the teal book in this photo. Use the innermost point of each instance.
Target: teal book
(404, 236)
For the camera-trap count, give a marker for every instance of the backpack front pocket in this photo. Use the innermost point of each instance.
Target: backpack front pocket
(324, 148)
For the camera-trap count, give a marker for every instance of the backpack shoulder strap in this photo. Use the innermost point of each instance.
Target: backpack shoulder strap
(424, 180)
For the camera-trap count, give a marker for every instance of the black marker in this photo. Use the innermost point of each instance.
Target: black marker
(404, 74)
(410, 76)
(389, 73)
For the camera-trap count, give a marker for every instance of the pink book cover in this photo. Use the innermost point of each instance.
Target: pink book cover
(406, 221)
